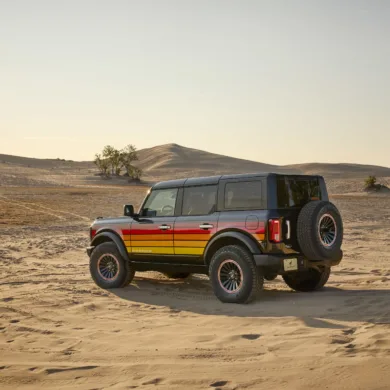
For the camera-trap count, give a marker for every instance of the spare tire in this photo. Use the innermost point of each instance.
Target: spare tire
(320, 231)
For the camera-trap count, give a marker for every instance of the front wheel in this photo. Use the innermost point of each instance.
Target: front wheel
(310, 280)
(108, 268)
(234, 276)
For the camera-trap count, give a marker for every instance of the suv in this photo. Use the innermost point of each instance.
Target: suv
(238, 229)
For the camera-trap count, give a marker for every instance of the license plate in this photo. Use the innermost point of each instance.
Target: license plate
(290, 264)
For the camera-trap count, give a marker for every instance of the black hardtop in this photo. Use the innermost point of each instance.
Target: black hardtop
(210, 180)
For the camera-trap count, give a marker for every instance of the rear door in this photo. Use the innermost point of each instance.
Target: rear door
(196, 224)
(152, 234)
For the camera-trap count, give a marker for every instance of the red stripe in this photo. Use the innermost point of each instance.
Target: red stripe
(193, 231)
(126, 231)
(150, 231)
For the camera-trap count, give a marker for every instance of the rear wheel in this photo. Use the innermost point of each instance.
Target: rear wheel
(108, 268)
(310, 280)
(234, 276)
(177, 275)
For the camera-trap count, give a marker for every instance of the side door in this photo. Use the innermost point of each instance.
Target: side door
(196, 224)
(151, 235)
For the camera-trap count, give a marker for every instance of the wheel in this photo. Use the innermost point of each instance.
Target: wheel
(108, 268)
(177, 275)
(320, 231)
(234, 276)
(310, 280)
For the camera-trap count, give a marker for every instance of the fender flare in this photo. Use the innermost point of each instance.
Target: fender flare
(114, 238)
(249, 242)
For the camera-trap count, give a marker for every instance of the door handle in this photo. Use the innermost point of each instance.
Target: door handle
(164, 227)
(288, 234)
(206, 226)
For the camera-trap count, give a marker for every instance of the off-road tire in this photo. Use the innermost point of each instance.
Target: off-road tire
(177, 275)
(252, 278)
(311, 280)
(308, 231)
(125, 271)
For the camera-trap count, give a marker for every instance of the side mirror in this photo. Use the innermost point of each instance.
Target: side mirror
(128, 210)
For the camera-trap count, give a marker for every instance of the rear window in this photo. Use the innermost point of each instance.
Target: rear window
(296, 192)
(243, 195)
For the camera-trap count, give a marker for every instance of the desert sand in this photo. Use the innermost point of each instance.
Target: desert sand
(60, 331)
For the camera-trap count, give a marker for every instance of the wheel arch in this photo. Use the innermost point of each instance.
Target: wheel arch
(230, 237)
(110, 236)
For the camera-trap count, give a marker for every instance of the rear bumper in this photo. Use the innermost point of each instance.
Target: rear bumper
(276, 262)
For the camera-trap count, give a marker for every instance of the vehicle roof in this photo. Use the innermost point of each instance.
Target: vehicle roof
(209, 180)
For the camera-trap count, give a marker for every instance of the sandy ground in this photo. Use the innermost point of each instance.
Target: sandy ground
(59, 331)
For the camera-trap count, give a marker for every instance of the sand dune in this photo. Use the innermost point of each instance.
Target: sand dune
(172, 161)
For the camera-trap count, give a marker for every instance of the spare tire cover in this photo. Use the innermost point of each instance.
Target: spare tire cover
(320, 231)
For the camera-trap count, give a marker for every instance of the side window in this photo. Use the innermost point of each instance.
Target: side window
(199, 200)
(160, 203)
(243, 195)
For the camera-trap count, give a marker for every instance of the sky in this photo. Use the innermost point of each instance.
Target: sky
(273, 81)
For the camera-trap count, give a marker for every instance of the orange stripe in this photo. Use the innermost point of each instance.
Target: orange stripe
(192, 237)
(138, 244)
(259, 237)
(152, 237)
(126, 237)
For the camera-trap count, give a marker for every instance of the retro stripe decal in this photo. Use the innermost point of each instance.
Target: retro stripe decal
(190, 244)
(189, 251)
(152, 250)
(151, 243)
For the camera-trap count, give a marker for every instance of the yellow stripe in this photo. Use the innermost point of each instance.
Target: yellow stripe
(151, 243)
(152, 250)
(192, 244)
(189, 251)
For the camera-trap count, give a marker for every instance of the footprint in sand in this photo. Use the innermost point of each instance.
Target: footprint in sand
(250, 336)
(153, 381)
(219, 384)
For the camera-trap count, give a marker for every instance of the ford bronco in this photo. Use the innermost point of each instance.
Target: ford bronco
(237, 229)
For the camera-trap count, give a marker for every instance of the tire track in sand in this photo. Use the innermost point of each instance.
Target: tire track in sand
(43, 207)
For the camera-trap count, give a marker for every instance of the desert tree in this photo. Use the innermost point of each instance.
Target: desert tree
(136, 173)
(128, 156)
(114, 157)
(102, 164)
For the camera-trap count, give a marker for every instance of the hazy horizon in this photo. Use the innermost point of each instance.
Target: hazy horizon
(269, 81)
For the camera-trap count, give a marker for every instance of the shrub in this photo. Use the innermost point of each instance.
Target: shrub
(370, 182)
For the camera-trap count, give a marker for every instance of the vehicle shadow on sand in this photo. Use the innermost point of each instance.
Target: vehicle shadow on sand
(320, 309)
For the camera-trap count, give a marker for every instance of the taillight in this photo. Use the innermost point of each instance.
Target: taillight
(275, 234)
(92, 233)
